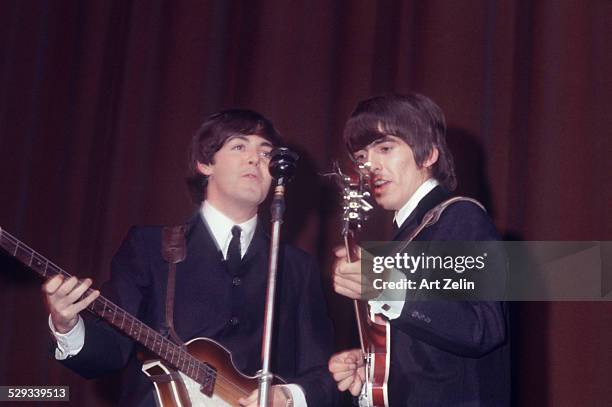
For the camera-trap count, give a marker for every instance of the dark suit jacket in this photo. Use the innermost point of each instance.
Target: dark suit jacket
(450, 353)
(212, 303)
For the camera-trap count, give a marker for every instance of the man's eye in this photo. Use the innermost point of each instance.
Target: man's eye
(238, 147)
(265, 154)
(385, 149)
(360, 158)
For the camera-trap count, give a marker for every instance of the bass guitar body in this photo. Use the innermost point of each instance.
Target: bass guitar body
(173, 388)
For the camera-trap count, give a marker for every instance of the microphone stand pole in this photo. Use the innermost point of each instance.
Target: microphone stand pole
(282, 167)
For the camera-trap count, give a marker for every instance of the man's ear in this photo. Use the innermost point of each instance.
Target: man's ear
(205, 169)
(432, 159)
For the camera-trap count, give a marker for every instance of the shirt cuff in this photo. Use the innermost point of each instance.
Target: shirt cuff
(390, 302)
(70, 343)
(297, 394)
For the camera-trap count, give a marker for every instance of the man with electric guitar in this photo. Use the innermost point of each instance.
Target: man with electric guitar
(434, 353)
(217, 292)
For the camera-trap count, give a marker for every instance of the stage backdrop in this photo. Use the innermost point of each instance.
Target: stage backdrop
(98, 100)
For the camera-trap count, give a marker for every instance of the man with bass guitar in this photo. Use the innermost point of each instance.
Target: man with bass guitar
(442, 353)
(219, 287)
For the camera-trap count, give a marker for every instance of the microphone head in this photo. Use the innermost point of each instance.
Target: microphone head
(283, 164)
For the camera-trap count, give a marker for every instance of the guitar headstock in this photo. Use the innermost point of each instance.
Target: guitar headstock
(355, 195)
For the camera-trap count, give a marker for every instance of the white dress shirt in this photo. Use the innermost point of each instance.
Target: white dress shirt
(391, 302)
(220, 227)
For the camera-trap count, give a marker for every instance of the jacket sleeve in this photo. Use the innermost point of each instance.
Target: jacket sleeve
(106, 349)
(315, 341)
(465, 328)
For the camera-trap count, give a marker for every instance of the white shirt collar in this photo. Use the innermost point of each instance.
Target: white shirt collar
(221, 228)
(409, 207)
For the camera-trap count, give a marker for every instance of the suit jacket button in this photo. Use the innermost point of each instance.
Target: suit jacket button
(236, 281)
(234, 321)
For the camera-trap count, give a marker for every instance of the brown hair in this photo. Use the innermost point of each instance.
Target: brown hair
(414, 118)
(213, 134)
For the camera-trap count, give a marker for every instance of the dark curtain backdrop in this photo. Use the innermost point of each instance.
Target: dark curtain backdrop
(98, 100)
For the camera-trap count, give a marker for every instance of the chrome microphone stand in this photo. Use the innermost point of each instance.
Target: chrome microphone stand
(282, 168)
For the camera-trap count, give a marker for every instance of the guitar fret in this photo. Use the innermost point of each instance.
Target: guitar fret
(195, 368)
(184, 363)
(190, 367)
(38, 264)
(174, 354)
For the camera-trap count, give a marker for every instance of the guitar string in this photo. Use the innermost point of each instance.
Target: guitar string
(219, 378)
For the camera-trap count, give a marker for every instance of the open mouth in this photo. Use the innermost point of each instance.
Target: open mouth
(380, 184)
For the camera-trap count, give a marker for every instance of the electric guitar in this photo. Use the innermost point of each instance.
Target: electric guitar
(374, 331)
(198, 373)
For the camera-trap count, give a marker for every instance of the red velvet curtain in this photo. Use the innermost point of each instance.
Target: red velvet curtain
(98, 100)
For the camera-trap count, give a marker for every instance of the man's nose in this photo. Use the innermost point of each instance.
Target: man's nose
(254, 158)
(373, 164)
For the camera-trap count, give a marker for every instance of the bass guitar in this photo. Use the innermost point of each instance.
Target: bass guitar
(199, 373)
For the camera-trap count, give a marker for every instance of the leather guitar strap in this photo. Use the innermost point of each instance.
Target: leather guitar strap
(433, 215)
(174, 251)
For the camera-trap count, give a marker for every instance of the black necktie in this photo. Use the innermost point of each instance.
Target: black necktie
(233, 251)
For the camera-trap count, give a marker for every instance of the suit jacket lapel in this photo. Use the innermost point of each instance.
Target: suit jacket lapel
(200, 242)
(259, 245)
(433, 198)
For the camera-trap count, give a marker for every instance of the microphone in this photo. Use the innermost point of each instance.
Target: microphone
(283, 164)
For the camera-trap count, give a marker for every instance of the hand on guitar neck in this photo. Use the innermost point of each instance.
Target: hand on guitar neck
(64, 300)
(349, 280)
